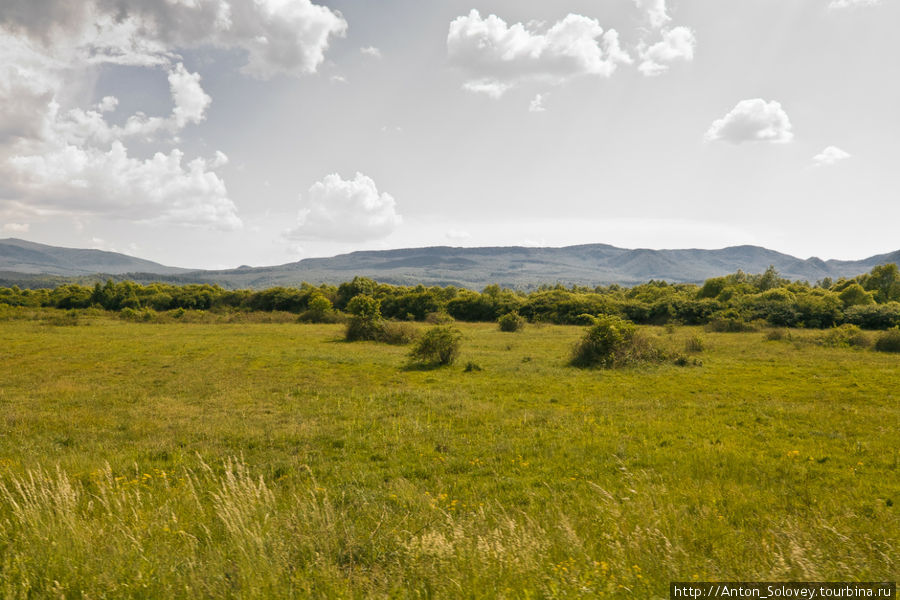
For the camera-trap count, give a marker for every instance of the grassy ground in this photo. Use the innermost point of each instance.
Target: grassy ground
(261, 460)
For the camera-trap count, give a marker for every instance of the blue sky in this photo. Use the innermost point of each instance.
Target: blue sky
(213, 133)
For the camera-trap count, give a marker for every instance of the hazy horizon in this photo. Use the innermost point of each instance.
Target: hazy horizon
(212, 134)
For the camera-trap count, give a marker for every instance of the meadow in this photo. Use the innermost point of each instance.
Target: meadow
(260, 460)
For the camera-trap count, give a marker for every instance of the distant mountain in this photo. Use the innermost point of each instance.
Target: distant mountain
(29, 257)
(591, 264)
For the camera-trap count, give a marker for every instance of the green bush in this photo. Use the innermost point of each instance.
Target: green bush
(613, 342)
(694, 344)
(438, 318)
(846, 335)
(511, 321)
(365, 322)
(399, 334)
(438, 346)
(889, 341)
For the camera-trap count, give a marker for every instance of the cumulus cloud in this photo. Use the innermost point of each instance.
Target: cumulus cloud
(278, 36)
(830, 155)
(752, 120)
(111, 183)
(497, 56)
(676, 44)
(657, 13)
(839, 4)
(537, 104)
(70, 160)
(346, 211)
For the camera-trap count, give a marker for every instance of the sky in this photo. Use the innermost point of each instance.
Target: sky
(219, 133)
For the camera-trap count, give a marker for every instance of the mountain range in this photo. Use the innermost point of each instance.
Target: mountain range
(518, 267)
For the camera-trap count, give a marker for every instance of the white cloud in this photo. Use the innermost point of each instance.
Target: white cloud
(338, 79)
(346, 211)
(677, 43)
(191, 101)
(656, 12)
(537, 103)
(497, 56)
(839, 4)
(108, 104)
(16, 227)
(279, 36)
(90, 181)
(830, 155)
(371, 51)
(753, 120)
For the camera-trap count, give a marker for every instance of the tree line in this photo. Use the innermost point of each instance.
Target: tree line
(732, 302)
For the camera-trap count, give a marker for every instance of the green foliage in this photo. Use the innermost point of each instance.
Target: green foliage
(320, 310)
(511, 322)
(846, 335)
(613, 342)
(855, 295)
(397, 333)
(694, 344)
(439, 345)
(365, 322)
(889, 341)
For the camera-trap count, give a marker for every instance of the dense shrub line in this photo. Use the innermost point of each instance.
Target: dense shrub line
(736, 302)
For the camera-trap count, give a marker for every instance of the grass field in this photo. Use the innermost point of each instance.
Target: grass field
(260, 460)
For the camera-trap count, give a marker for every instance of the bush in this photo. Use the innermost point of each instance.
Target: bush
(729, 324)
(366, 322)
(694, 344)
(613, 342)
(846, 335)
(438, 318)
(438, 346)
(399, 334)
(889, 341)
(511, 322)
(777, 334)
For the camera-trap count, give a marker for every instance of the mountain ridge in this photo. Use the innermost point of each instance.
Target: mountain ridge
(511, 266)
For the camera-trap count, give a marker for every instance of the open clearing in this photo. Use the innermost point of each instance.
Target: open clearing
(275, 460)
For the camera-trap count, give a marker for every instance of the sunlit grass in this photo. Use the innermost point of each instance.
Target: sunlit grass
(269, 460)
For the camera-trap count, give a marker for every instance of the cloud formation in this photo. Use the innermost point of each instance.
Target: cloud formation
(497, 56)
(278, 36)
(537, 103)
(830, 156)
(60, 159)
(657, 13)
(346, 211)
(753, 120)
(676, 44)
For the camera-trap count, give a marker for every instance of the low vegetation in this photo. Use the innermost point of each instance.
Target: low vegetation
(194, 456)
(439, 346)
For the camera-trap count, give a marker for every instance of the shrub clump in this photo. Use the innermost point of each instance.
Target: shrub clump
(319, 310)
(613, 342)
(511, 321)
(399, 334)
(889, 341)
(694, 344)
(846, 335)
(365, 321)
(438, 318)
(729, 322)
(438, 346)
